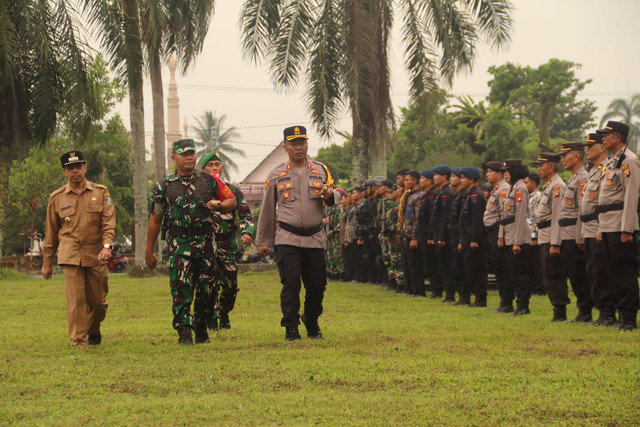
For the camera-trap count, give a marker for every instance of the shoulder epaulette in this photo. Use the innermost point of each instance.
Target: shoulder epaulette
(58, 191)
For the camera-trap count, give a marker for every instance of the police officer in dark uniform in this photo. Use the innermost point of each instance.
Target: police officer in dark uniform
(473, 239)
(298, 187)
(454, 233)
(439, 229)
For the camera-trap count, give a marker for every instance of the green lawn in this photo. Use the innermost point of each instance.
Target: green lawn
(386, 359)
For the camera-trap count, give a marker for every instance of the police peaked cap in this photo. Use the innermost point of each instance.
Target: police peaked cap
(509, 163)
(547, 157)
(570, 146)
(295, 132)
(494, 165)
(592, 139)
(619, 127)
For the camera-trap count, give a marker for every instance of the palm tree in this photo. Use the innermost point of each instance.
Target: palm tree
(43, 75)
(342, 45)
(118, 23)
(212, 136)
(170, 27)
(626, 110)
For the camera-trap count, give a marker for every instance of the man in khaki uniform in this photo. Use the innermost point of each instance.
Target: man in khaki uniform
(596, 274)
(491, 219)
(515, 234)
(80, 224)
(618, 221)
(548, 220)
(573, 249)
(298, 189)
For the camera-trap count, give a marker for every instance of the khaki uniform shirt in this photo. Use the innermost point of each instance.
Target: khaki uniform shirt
(515, 229)
(589, 201)
(549, 210)
(297, 197)
(495, 204)
(78, 225)
(620, 185)
(570, 208)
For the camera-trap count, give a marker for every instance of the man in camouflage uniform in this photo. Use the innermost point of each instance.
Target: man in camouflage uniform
(186, 199)
(227, 248)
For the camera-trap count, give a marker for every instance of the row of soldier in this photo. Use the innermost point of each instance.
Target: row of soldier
(438, 225)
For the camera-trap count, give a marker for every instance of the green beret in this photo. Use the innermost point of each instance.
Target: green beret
(208, 158)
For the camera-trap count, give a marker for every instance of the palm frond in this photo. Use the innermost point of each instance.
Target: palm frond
(494, 18)
(324, 78)
(288, 54)
(260, 21)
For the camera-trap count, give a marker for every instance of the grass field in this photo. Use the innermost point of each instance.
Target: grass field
(386, 359)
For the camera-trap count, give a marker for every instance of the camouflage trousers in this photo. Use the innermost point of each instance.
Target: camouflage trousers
(188, 276)
(392, 257)
(227, 278)
(335, 264)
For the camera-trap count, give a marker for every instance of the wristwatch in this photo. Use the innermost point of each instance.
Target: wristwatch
(107, 246)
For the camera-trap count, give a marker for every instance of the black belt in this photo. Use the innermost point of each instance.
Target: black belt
(567, 221)
(190, 232)
(612, 207)
(300, 231)
(590, 217)
(507, 221)
(492, 227)
(544, 224)
(225, 236)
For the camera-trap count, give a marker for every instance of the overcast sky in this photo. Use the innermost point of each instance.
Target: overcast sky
(603, 36)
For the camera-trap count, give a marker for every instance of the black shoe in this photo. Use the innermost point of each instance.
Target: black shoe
(449, 297)
(200, 332)
(94, 339)
(559, 313)
(292, 333)
(224, 321)
(184, 332)
(522, 308)
(436, 294)
(584, 315)
(213, 324)
(313, 329)
(465, 299)
(607, 317)
(628, 320)
(481, 301)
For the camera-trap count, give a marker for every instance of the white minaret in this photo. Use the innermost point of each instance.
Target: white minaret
(173, 107)
(186, 128)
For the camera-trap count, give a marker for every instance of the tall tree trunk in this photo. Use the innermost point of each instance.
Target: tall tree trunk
(359, 154)
(545, 126)
(136, 113)
(159, 144)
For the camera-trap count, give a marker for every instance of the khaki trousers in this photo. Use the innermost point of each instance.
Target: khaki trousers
(86, 289)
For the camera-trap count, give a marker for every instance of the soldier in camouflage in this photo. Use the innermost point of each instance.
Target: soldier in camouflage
(185, 200)
(226, 225)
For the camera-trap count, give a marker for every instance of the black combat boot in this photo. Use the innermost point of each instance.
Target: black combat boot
(607, 317)
(292, 333)
(481, 301)
(628, 320)
(559, 313)
(224, 321)
(584, 315)
(94, 339)
(504, 307)
(522, 308)
(450, 296)
(436, 294)
(465, 299)
(184, 332)
(200, 332)
(313, 329)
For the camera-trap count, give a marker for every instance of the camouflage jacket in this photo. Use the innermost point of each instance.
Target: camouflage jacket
(225, 225)
(183, 203)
